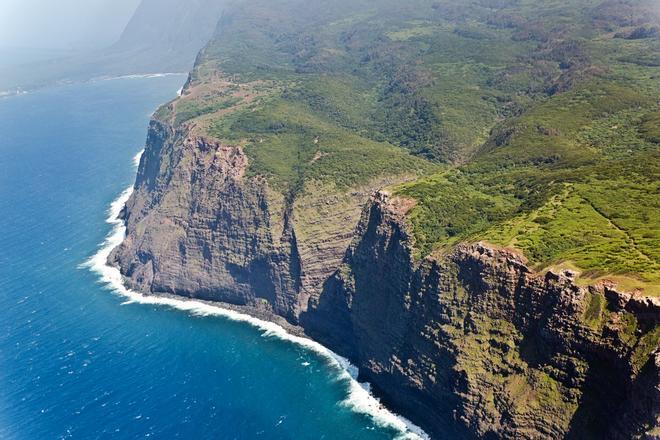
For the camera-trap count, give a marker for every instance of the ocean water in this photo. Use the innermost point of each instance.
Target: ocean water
(82, 358)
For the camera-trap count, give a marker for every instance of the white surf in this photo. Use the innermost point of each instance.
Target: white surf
(359, 397)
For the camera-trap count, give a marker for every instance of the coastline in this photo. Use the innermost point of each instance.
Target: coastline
(359, 397)
(19, 90)
(136, 76)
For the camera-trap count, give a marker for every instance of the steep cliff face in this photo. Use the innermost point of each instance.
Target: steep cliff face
(473, 343)
(470, 343)
(196, 226)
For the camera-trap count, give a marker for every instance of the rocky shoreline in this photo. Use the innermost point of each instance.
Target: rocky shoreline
(468, 344)
(261, 313)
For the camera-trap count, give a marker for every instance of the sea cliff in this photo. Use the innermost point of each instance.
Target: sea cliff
(468, 342)
(460, 198)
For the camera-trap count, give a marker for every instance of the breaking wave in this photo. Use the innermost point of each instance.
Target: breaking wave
(359, 398)
(143, 75)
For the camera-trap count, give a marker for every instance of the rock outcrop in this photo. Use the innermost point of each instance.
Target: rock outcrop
(469, 343)
(474, 344)
(197, 227)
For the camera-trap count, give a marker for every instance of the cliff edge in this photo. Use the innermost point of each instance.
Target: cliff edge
(461, 198)
(475, 344)
(469, 343)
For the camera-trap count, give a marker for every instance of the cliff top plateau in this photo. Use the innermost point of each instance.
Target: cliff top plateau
(532, 126)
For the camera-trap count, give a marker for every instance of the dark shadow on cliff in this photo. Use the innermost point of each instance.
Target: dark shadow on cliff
(329, 321)
(374, 309)
(613, 406)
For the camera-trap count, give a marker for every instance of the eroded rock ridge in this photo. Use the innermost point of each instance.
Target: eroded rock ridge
(467, 343)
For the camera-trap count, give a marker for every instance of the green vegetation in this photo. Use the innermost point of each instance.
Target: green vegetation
(187, 110)
(650, 127)
(289, 143)
(645, 346)
(450, 208)
(574, 180)
(532, 125)
(548, 389)
(595, 308)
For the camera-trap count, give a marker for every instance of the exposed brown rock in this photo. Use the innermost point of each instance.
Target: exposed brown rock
(468, 344)
(477, 344)
(197, 227)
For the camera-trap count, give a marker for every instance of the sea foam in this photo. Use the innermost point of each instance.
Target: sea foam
(16, 92)
(137, 76)
(136, 161)
(359, 398)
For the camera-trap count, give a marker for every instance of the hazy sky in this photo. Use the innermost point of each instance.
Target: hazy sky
(63, 24)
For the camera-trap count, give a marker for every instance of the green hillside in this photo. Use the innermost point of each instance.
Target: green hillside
(533, 125)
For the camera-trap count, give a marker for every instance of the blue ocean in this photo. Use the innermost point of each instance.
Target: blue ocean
(79, 359)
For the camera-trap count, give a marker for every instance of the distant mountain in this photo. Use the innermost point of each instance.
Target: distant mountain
(162, 36)
(168, 33)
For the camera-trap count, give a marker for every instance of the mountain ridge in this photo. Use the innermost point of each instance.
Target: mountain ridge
(161, 37)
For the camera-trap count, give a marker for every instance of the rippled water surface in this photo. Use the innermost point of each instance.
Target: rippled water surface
(77, 363)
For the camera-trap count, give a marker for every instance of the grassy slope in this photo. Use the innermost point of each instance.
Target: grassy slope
(545, 115)
(576, 183)
(572, 181)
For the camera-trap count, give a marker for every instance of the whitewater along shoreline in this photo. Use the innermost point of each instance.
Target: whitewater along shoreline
(18, 91)
(359, 396)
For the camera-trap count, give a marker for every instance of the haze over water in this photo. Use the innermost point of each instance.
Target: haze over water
(77, 363)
